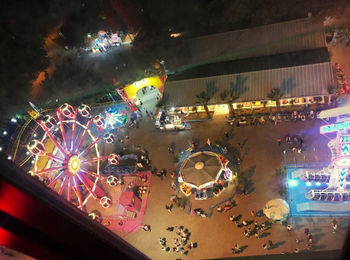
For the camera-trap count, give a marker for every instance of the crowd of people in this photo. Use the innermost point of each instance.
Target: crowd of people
(272, 118)
(181, 242)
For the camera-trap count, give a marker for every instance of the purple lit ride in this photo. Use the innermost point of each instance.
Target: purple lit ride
(336, 176)
(67, 157)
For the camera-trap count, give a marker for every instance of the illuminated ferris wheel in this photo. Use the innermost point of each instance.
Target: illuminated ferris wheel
(67, 157)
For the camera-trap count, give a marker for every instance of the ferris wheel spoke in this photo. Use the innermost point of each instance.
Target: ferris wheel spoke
(74, 126)
(65, 179)
(58, 145)
(93, 174)
(59, 116)
(89, 147)
(77, 191)
(56, 178)
(69, 187)
(83, 181)
(84, 134)
(95, 159)
(49, 169)
(55, 158)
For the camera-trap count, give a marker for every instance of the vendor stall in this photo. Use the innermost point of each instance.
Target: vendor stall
(170, 122)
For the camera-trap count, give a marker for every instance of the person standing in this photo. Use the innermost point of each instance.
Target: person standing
(334, 225)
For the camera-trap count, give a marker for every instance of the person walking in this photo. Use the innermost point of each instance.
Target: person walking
(279, 141)
(147, 228)
(289, 228)
(252, 213)
(170, 229)
(270, 243)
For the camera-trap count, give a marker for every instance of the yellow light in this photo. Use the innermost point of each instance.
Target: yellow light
(74, 164)
(132, 89)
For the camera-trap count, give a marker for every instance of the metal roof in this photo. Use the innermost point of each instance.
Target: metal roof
(297, 81)
(276, 61)
(295, 35)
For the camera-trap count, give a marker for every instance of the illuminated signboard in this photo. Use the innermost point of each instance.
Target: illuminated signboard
(334, 127)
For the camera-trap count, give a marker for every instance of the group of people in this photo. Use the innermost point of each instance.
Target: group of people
(309, 240)
(293, 143)
(159, 174)
(181, 243)
(250, 231)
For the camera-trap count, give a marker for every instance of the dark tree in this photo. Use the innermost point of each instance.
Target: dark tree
(23, 27)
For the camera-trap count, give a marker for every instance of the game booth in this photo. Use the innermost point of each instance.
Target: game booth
(170, 122)
(204, 174)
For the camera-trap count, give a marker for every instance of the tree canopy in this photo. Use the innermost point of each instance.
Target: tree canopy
(22, 51)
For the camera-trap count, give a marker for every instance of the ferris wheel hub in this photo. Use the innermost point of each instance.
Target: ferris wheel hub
(73, 164)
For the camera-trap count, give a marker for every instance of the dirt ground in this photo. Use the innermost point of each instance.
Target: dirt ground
(217, 235)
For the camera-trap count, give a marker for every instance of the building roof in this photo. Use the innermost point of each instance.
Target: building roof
(296, 81)
(276, 61)
(295, 35)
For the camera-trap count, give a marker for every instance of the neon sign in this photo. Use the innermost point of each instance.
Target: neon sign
(342, 162)
(334, 127)
(345, 149)
(345, 139)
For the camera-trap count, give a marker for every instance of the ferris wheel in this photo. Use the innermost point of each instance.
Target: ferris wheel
(67, 156)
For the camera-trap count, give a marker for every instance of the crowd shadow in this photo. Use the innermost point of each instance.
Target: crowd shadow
(317, 237)
(275, 245)
(299, 226)
(243, 248)
(315, 230)
(265, 234)
(318, 247)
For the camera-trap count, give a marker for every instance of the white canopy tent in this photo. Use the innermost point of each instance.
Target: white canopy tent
(277, 209)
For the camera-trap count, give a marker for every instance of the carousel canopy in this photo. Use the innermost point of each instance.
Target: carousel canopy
(201, 168)
(277, 209)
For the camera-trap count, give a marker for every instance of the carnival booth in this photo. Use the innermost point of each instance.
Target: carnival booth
(170, 122)
(204, 173)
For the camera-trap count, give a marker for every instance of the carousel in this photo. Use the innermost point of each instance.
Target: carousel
(204, 173)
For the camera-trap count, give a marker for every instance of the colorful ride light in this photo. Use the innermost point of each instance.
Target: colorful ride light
(67, 110)
(334, 127)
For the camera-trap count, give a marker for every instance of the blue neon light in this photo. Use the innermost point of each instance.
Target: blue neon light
(345, 149)
(308, 183)
(334, 127)
(345, 139)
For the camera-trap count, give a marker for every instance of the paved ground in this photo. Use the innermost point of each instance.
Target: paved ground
(217, 235)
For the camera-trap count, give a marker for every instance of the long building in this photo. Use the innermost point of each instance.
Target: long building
(291, 56)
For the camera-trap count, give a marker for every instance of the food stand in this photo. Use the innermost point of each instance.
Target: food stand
(170, 122)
